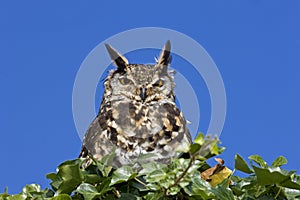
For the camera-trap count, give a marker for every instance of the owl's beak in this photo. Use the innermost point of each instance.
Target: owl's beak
(143, 93)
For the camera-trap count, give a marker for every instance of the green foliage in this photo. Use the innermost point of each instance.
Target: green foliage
(183, 178)
(265, 182)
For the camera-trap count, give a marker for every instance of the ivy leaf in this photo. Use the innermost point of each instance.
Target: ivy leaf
(156, 176)
(140, 184)
(204, 148)
(152, 166)
(194, 148)
(32, 188)
(292, 193)
(88, 191)
(266, 177)
(210, 148)
(16, 197)
(290, 184)
(154, 196)
(270, 176)
(122, 174)
(246, 183)
(173, 190)
(56, 180)
(240, 164)
(279, 161)
(160, 181)
(199, 139)
(199, 187)
(4, 195)
(127, 196)
(91, 174)
(68, 177)
(105, 165)
(62, 197)
(222, 192)
(258, 159)
(103, 186)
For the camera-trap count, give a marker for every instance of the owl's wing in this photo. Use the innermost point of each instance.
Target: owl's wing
(87, 140)
(95, 141)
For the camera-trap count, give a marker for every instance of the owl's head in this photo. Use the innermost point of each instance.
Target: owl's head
(140, 82)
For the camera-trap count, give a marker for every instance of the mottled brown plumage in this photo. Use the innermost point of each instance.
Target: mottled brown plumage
(138, 114)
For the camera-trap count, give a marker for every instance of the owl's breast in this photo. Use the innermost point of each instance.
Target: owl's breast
(135, 119)
(147, 122)
(135, 128)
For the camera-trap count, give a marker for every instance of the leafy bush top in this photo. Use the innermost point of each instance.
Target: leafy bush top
(183, 178)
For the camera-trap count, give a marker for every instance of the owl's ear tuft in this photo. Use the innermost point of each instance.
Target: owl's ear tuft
(165, 57)
(120, 61)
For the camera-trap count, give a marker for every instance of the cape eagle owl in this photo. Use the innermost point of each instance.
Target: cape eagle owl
(138, 114)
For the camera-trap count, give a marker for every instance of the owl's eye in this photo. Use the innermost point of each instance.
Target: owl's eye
(125, 81)
(158, 83)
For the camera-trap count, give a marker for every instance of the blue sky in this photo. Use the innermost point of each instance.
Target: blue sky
(255, 45)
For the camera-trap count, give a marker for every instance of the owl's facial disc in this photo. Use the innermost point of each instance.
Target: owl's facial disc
(141, 82)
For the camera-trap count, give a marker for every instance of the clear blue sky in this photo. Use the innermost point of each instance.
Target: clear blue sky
(255, 44)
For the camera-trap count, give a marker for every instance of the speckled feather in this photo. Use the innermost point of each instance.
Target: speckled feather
(138, 114)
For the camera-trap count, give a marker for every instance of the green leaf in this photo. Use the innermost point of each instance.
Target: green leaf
(222, 192)
(292, 193)
(199, 187)
(194, 148)
(154, 196)
(156, 176)
(16, 197)
(246, 183)
(153, 186)
(56, 180)
(88, 191)
(209, 148)
(297, 179)
(103, 186)
(277, 176)
(32, 188)
(173, 190)
(159, 181)
(3, 196)
(105, 170)
(91, 174)
(258, 159)
(205, 147)
(266, 177)
(128, 196)
(91, 178)
(122, 174)
(199, 139)
(68, 177)
(236, 190)
(105, 165)
(62, 197)
(240, 164)
(152, 166)
(279, 161)
(140, 185)
(290, 184)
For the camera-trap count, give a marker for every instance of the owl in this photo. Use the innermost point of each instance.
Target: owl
(138, 115)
